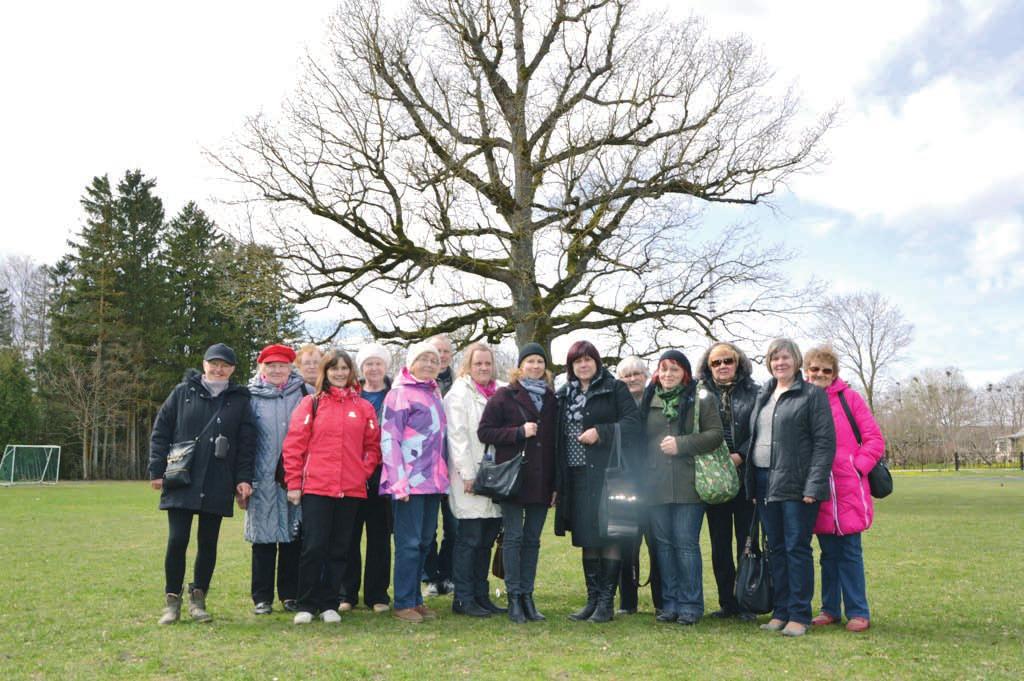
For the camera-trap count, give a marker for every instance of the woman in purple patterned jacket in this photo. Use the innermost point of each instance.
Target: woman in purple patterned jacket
(414, 472)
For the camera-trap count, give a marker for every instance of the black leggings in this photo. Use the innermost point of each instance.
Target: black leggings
(179, 523)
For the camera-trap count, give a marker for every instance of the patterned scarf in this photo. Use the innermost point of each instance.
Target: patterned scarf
(670, 401)
(576, 401)
(536, 388)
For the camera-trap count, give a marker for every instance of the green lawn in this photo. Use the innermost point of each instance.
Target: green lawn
(82, 577)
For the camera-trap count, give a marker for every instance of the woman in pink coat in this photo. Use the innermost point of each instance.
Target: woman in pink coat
(849, 512)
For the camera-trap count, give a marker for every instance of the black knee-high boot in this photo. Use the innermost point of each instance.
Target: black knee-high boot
(592, 576)
(605, 610)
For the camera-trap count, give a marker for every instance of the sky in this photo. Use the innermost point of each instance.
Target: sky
(922, 199)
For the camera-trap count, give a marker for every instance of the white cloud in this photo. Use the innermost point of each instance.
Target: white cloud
(996, 255)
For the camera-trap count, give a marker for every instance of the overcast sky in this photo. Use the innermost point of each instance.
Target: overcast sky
(923, 199)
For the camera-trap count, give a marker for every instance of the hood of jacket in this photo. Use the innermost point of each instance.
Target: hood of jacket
(744, 368)
(194, 377)
(407, 380)
(837, 385)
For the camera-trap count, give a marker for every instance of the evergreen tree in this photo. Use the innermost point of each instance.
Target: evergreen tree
(18, 415)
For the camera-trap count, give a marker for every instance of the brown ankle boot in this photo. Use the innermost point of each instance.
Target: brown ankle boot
(197, 606)
(172, 611)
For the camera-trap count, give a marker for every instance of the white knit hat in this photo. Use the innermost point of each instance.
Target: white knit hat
(371, 350)
(421, 348)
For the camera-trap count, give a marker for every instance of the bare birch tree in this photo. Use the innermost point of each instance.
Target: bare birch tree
(867, 331)
(528, 169)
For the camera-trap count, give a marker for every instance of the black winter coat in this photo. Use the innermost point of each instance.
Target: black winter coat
(803, 442)
(608, 403)
(501, 426)
(744, 398)
(183, 415)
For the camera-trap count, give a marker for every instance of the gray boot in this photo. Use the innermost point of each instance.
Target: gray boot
(197, 605)
(172, 611)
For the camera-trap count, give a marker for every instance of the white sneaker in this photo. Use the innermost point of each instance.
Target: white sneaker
(303, 618)
(330, 616)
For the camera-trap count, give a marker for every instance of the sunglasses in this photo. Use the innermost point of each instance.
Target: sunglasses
(820, 370)
(726, 361)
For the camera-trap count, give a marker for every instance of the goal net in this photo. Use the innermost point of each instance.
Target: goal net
(30, 463)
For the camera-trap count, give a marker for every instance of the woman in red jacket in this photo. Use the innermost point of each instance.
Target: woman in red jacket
(332, 448)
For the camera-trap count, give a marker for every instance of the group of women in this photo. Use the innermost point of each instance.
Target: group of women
(321, 447)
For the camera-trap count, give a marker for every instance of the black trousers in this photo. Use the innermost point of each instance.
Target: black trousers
(630, 575)
(326, 531)
(438, 567)
(375, 515)
(471, 559)
(179, 526)
(726, 521)
(264, 557)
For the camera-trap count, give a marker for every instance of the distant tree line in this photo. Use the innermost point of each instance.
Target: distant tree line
(90, 346)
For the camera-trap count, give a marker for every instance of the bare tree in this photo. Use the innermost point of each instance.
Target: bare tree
(866, 330)
(28, 285)
(528, 169)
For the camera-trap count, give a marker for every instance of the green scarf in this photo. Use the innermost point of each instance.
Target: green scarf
(670, 401)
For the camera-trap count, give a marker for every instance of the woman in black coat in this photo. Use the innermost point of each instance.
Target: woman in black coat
(591, 407)
(214, 411)
(793, 442)
(522, 417)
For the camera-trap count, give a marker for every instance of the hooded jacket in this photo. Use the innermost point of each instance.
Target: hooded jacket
(183, 416)
(850, 509)
(269, 518)
(413, 439)
(334, 453)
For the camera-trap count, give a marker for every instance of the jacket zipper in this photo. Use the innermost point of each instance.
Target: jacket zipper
(835, 504)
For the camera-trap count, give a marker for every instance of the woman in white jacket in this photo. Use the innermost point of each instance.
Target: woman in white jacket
(479, 517)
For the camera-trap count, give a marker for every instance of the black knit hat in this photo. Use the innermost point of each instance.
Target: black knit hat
(677, 357)
(221, 352)
(532, 349)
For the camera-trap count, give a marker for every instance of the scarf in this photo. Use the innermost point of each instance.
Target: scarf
(576, 401)
(487, 390)
(536, 388)
(670, 401)
(214, 387)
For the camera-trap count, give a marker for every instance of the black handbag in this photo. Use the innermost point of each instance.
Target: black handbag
(499, 481)
(178, 472)
(753, 575)
(619, 512)
(879, 477)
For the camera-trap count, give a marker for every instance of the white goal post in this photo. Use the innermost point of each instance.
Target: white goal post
(23, 464)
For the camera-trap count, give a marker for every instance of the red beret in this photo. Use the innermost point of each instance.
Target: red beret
(276, 353)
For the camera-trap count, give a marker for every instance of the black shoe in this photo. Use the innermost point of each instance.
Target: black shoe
(290, 605)
(626, 611)
(746, 617)
(666, 616)
(515, 609)
(530, 610)
(469, 608)
(687, 620)
(263, 608)
(724, 614)
(487, 604)
(605, 610)
(591, 570)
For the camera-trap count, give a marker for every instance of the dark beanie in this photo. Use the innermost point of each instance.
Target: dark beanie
(677, 357)
(532, 349)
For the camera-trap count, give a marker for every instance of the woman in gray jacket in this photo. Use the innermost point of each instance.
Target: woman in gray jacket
(271, 523)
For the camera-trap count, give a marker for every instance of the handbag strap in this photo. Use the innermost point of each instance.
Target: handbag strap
(849, 416)
(210, 422)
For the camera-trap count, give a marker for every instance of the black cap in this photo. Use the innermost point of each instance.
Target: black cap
(532, 349)
(222, 352)
(677, 357)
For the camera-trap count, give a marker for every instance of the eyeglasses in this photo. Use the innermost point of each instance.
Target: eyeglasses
(725, 361)
(820, 370)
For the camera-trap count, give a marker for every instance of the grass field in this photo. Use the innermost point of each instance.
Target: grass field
(82, 580)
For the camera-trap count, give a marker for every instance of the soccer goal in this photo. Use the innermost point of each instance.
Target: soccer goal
(30, 463)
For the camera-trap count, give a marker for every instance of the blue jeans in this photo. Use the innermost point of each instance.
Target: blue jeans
(842, 576)
(520, 549)
(788, 526)
(676, 529)
(415, 527)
